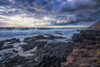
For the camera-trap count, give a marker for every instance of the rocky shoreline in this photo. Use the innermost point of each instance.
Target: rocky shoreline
(83, 50)
(37, 51)
(86, 52)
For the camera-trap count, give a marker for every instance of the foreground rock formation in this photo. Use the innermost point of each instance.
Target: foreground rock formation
(86, 52)
(37, 51)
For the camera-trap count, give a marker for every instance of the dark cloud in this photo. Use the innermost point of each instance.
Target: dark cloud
(82, 10)
(5, 2)
(51, 5)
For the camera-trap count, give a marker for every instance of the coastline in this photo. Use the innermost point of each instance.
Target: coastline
(86, 51)
(82, 50)
(42, 50)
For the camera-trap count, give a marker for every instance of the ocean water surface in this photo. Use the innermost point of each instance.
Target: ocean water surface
(14, 32)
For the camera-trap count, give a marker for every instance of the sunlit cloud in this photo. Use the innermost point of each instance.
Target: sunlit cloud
(23, 20)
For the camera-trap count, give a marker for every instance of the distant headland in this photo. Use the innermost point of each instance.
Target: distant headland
(96, 25)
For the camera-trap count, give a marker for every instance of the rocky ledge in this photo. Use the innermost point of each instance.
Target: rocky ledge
(86, 52)
(37, 51)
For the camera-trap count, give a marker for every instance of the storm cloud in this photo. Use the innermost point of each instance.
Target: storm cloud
(52, 5)
(73, 10)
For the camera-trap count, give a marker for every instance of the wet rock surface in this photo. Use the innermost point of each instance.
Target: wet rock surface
(86, 35)
(37, 51)
(4, 44)
(86, 52)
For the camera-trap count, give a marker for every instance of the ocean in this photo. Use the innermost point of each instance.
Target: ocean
(19, 32)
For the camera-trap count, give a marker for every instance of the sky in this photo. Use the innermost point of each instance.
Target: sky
(37, 13)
